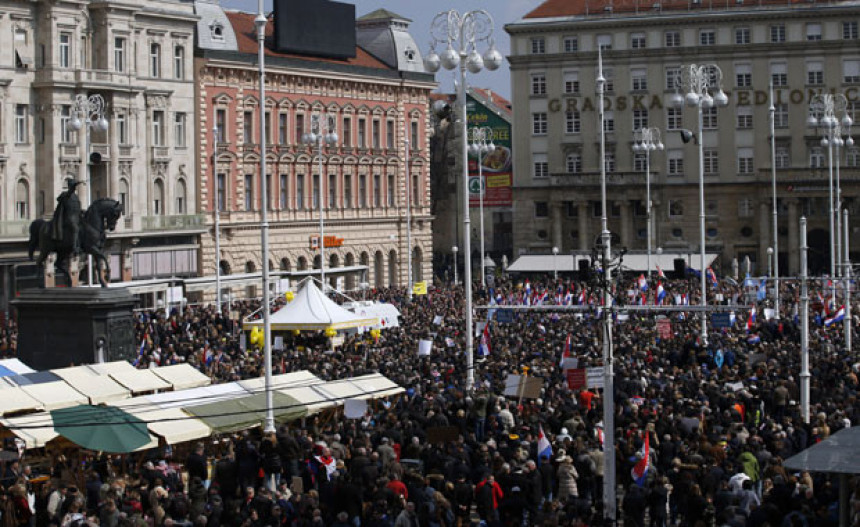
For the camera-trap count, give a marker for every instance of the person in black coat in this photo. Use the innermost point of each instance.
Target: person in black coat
(197, 463)
(227, 477)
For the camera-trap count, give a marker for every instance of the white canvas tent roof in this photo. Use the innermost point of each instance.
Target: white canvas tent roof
(174, 425)
(17, 366)
(34, 429)
(54, 395)
(108, 368)
(16, 400)
(312, 310)
(182, 376)
(282, 381)
(99, 388)
(197, 396)
(139, 381)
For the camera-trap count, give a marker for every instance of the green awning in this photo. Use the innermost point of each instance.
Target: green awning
(242, 413)
(101, 428)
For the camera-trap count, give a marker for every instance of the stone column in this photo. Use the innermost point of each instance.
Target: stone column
(793, 241)
(582, 220)
(765, 236)
(626, 224)
(556, 227)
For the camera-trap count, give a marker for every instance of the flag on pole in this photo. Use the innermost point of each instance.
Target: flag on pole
(751, 320)
(640, 470)
(839, 316)
(754, 339)
(660, 273)
(582, 297)
(566, 353)
(711, 277)
(544, 447)
(643, 283)
(661, 293)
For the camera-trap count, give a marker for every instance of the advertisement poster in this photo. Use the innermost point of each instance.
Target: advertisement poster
(495, 165)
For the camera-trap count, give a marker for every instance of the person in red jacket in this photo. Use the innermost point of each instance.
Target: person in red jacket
(397, 487)
(488, 494)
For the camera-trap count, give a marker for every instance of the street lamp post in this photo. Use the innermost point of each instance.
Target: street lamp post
(555, 263)
(217, 220)
(772, 112)
(846, 284)
(260, 22)
(322, 133)
(700, 80)
(465, 31)
(481, 143)
(770, 262)
(646, 140)
(826, 112)
(408, 224)
(89, 112)
(454, 250)
(804, 325)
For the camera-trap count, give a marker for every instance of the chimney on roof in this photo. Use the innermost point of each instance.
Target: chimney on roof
(490, 94)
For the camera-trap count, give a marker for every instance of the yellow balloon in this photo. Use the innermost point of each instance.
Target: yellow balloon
(330, 332)
(289, 295)
(296, 332)
(375, 333)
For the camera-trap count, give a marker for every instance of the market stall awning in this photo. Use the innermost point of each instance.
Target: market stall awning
(234, 415)
(182, 376)
(309, 396)
(198, 396)
(15, 366)
(282, 381)
(102, 428)
(312, 310)
(16, 400)
(173, 424)
(107, 368)
(837, 454)
(98, 388)
(36, 377)
(140, 381)
(36, 430)
(376, 386)
(55, 395)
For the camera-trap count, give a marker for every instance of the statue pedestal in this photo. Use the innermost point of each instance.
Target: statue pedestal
(59, 327)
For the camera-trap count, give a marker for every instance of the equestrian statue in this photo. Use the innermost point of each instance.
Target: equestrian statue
(71, 233)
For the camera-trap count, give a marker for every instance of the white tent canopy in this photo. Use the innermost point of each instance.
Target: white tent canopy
(388, 314)
(182, 376)
(312, 310)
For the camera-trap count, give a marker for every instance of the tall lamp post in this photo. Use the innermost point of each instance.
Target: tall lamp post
(322, 133)
(775, 228)
(89, 112)
(454, 250)
(464, 31)
(645, 141)
(260, 24)
(699, 81)
(826, 112)
(481, 142)
(555, 263)
(217, 220)
(408, 223)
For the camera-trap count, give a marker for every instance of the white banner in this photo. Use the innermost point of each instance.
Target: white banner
(594, 377)
(424, 348)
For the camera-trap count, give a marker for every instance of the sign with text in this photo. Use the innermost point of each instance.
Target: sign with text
(664, 328)
(576, 378)
(330, 241)
(496, 165)
(594, 377)
(721, 320)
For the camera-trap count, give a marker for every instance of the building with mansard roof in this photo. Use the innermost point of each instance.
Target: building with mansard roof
(378, 172)
(801, 47)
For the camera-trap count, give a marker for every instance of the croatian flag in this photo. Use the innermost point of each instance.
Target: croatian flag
(751, 320)
(643, 283)
(568, 298)
(640, 470)
(839, 316)
(711, 277)
(660, 273)
(528, 288)
(544, 447)
(754, 339)
(566, 353)
(484, 346)
(661, 293)
(582, 297)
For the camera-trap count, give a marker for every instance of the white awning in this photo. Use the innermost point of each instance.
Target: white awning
(34, 429)
(282, 381)
(376, 385)
(182, 376)
(140, 381)
(54, 395)
(99, 388)
(107, 368)
(174, 425)
(197, 396)
(16, 366)
(310, 397)
(16, 400)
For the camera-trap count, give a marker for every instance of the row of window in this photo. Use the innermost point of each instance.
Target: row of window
(675, 161)
(284, 134)
(743, 77)
(675, 208)
(121, 56)
(742, 35)
(337, 196)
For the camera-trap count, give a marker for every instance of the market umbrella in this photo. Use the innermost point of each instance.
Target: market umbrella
(101, 428)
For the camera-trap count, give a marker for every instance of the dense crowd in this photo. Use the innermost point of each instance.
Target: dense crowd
(715, 421)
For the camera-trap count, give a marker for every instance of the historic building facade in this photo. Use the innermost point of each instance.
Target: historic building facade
(379, 106)
(801, 48)
(139, 59)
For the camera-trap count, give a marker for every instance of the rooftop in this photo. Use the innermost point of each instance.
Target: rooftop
(382, 14)
(578, 8)
(246, 39)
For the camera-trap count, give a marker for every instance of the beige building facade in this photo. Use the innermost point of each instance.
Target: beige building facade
(801, 48)
(376, 173)
(139, 58)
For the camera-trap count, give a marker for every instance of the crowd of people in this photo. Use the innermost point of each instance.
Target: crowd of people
(702, 430)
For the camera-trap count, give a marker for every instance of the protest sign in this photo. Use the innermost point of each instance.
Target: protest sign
(576, 378)
(424, 348)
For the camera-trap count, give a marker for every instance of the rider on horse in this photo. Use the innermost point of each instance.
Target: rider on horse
(67, 217)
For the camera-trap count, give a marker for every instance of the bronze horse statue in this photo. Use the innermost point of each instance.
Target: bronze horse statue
(100, 217)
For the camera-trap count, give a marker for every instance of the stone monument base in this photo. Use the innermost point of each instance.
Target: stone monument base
(59, 327)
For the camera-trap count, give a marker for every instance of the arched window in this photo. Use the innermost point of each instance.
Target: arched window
(158, 198)
(123, 194)
(285, 264)
(392, 269)
(349, 261)
(379, 269)
(302, 264)
(416, 265)
(22, 200)
(225, 267)
(180, 197)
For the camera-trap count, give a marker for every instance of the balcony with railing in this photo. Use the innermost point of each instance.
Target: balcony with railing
(173, 223)
(592, 179)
